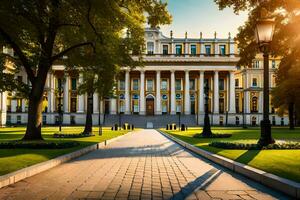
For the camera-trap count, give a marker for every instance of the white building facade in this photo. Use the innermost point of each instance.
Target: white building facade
(170, 83)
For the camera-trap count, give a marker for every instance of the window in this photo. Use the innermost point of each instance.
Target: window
(193, 49)
(178, 84)
(135, 105)
(135, 85)
(165, 49)
(256, 64)
(122, 106)
(222, 50)
(236, 82)
(164, 85)
(207, 50)
(254, 104)
(273, 64)
(178, 106)
(192, 84)
(73, 104)
(254, 82)
(150, 48)
(73, 82)
(19, 119)
(164, 106)
(149, 85)
(221, 84)
(122, 85)
(178, 49)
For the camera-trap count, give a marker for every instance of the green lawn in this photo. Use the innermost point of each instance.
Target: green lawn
(14, 159)
(284, 163)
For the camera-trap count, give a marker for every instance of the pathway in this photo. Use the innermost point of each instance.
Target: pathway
(142, 165)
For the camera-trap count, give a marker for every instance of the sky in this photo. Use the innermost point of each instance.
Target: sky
(195, 16)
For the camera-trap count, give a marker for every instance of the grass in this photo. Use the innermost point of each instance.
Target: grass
(284, 163)
(15, 159)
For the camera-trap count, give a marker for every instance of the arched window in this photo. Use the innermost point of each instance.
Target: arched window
(254, 104)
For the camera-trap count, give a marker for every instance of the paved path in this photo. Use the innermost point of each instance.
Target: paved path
(143, 165)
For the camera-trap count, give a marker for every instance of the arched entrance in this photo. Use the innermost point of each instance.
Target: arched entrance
(150, 105)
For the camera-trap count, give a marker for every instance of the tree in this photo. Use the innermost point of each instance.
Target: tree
(285, 44)
(42, 32)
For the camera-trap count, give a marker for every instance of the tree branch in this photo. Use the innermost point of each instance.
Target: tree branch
(57, 56)
(19, 52)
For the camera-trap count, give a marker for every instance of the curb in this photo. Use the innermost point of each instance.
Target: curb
(283, 185)
(26, 172)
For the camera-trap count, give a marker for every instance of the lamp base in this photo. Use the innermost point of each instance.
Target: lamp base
(265, 138)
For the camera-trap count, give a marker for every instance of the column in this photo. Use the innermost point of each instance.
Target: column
(201, 93)
(142, 93)
(113, 106)
(232, 92)
(247, 102)
(24, 105)
(3, 108)
(260, 102)
(187, 100)
(66, 94)
(216, 92)
(80, 97)
(127, 92)
(95, 103)
(158, 95)
(14, 105)
(173, 100)
(101, 107)
(50, 93)
(186, 48)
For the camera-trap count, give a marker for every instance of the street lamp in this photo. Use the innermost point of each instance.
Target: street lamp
(264, 34)
(206, 128)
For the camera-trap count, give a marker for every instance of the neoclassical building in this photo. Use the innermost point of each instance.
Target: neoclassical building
(171, 83)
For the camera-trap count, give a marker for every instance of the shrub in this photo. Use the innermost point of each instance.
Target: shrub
(247, 146)
(19, 144)
(214, 135)
(63, 135)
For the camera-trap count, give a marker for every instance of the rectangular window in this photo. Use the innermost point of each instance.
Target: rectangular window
(222, 50)
(256, 64)
(254, 82)
(192, 84)
(149, 85)
(165, 49)
(122, 85)
(135, 85)
(178, 49)
(236, 82)
(74, 84)
(150, 48)
(273, 64)
(193, 49)
(164, 85)
(221, 84)
(178, 84)
(207, 50)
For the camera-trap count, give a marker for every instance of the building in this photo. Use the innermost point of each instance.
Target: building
(171, 82)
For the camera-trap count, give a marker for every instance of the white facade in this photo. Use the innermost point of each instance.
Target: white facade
(171, 82)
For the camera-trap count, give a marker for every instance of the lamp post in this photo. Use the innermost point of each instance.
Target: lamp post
(206, 128)
(264, 34)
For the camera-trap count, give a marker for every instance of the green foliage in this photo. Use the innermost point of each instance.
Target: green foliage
(286, 43)
(37, 145)
(249, 146)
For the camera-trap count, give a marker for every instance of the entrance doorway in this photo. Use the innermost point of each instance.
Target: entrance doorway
(150, 105)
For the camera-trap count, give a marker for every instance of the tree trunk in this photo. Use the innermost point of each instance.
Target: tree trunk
(89, 119)
(34, 124)
(291, 116)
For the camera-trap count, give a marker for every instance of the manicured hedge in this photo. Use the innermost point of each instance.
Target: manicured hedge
(214, 135)
(37, 145)
(75, 135)
(245, 146)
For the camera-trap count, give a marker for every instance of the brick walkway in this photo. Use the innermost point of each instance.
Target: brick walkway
(143, 165)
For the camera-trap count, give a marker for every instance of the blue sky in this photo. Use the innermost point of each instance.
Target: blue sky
(194, 16)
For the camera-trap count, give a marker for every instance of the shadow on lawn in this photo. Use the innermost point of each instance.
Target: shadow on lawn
(248, 156)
